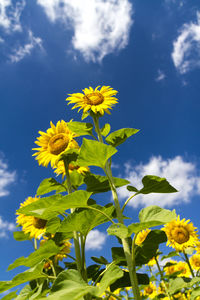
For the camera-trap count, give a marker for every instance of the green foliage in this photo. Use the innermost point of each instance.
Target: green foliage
(118, 137)
(10, 296)
(106, 129)
(21, 236)
(80, 128)
(49, 185)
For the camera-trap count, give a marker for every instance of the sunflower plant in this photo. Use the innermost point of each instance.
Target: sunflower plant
(64, 211)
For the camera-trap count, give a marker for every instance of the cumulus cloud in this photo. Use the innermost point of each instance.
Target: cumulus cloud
(95, 240)
(19, 53)
(5, 228)
(180, 174)
(100, 27)
(10, 13)
(186, 48)
(160, 76)
(6, 178)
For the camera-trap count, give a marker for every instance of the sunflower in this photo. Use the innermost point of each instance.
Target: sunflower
(195, 261)
(182, 267)
(181, 234)
(98, 101)
(65, 250)
(150, 291)
(152, 262)
(60, 169)
(170, 269)
(34, 226)
(53, 142)
(141, 236)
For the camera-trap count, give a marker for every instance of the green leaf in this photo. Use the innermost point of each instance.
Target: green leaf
(110, 276)
(49, 207)
(76, 179)
(87, 219)
(69, 155)
(118, 255)
(28, 275)
(21, 236)
(25, 293)
(125, 281)
(53, 225)
(93, 153)
(195, 293)
(70, 285)
(100, 260)
(45, 251)
(118, 137)
(156, 213)
(10, 296)
(93, 272)
(155, 184)
(48, 185)
(119, 230)
(131, 188)
(170, 254)
(100, 184)
(106, 129)
(80, 128)
(179, 283)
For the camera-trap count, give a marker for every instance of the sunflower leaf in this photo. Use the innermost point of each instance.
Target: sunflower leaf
(80, 128)
(69, 155)
(156, 213)
(21, 236)
(48, 185)
(118, 137)
(10, 296)
(155, 184)
(93, 153)
(105, 129)
(119, 230)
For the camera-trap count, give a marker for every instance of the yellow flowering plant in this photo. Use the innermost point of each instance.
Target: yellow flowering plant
(64, 211)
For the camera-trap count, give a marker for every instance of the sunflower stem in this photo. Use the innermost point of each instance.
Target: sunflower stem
(162, 278)
(75, 233)
(188, 262)
(125, 243)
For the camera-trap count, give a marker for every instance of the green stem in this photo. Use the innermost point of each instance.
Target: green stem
(35, 244)
(188, 262)
(75, 233)
(125, 243)
(103, 213)
(162, 278)
(127, 201)
(84, 270)
(113, 295)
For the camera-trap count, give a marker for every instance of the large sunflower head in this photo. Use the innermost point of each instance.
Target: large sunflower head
(181, 234)
(60, 169)
(53, 142)
(95, 100)
(195, 261)
(141, 236)
(34, 226)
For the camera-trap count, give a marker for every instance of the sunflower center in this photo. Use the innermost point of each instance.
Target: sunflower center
(39, 223)
(95, 98)
(58, 143)
(180, 235)
(149, 290)
(72, 167)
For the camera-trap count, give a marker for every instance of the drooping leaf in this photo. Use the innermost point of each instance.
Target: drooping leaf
(69, 155)
(49, 207)
(156, 213)
(21, 236)
(118, 137)
(10, 296)
(112, 273)
(106, 129)
(100, 184)
(28, 275)
(100, 260)
(49, 185)
(53, 225)
(80, 128)
(76, 179)
(155, 184)
(48, 249)
(119, 230)
(93, 153)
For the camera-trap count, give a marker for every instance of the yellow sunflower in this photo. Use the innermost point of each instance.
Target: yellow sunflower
(150, 290)
(60, 169)
(65, 250)
(152, 262)
(53, 142)
(171, 268)
(182, 267)
(180, 296)
(195, 261)
(181, 234)
(98, 101)
(34, 226)
(142, 236)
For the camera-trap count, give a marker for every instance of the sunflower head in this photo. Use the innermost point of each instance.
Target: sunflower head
(95, 100)
(195, 261)
(65, 250)
(183, 268)
(36, 227)
(150, 291)
(142, 236)
(181, 234)
(60, 169)
(170, 269)
(54, 142)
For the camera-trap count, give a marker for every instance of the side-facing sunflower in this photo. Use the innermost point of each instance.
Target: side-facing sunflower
(195, 261)
(53, 142)
(34, 226)
(150, 291)
(181, 234)
(60, 169)
(98, 101)
(141, 236)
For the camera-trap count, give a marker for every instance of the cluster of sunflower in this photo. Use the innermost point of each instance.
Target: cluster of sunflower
(56, 221)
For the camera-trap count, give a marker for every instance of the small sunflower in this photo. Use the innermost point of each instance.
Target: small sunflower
(98, 101)
(183, 268)
(65, 250)
(170, 269)
(34, 226)
(181, 234)
(152, 262)
(195, 261)
(142, 236)
(53, 142)
(150, 291)
(60, 169)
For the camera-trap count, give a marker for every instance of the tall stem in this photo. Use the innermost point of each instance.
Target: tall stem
(75, 233)
(188, 262)
(162, 277)
(125, 243)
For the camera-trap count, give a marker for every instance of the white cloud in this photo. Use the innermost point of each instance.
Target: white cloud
(95, 240)
(180, 174)
(10, 14)
(6, 178)
(100, 27)
(22, 51)
(160, 76)
(186, 48)
(5, 228)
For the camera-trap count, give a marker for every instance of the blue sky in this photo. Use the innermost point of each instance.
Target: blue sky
(147, 50)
